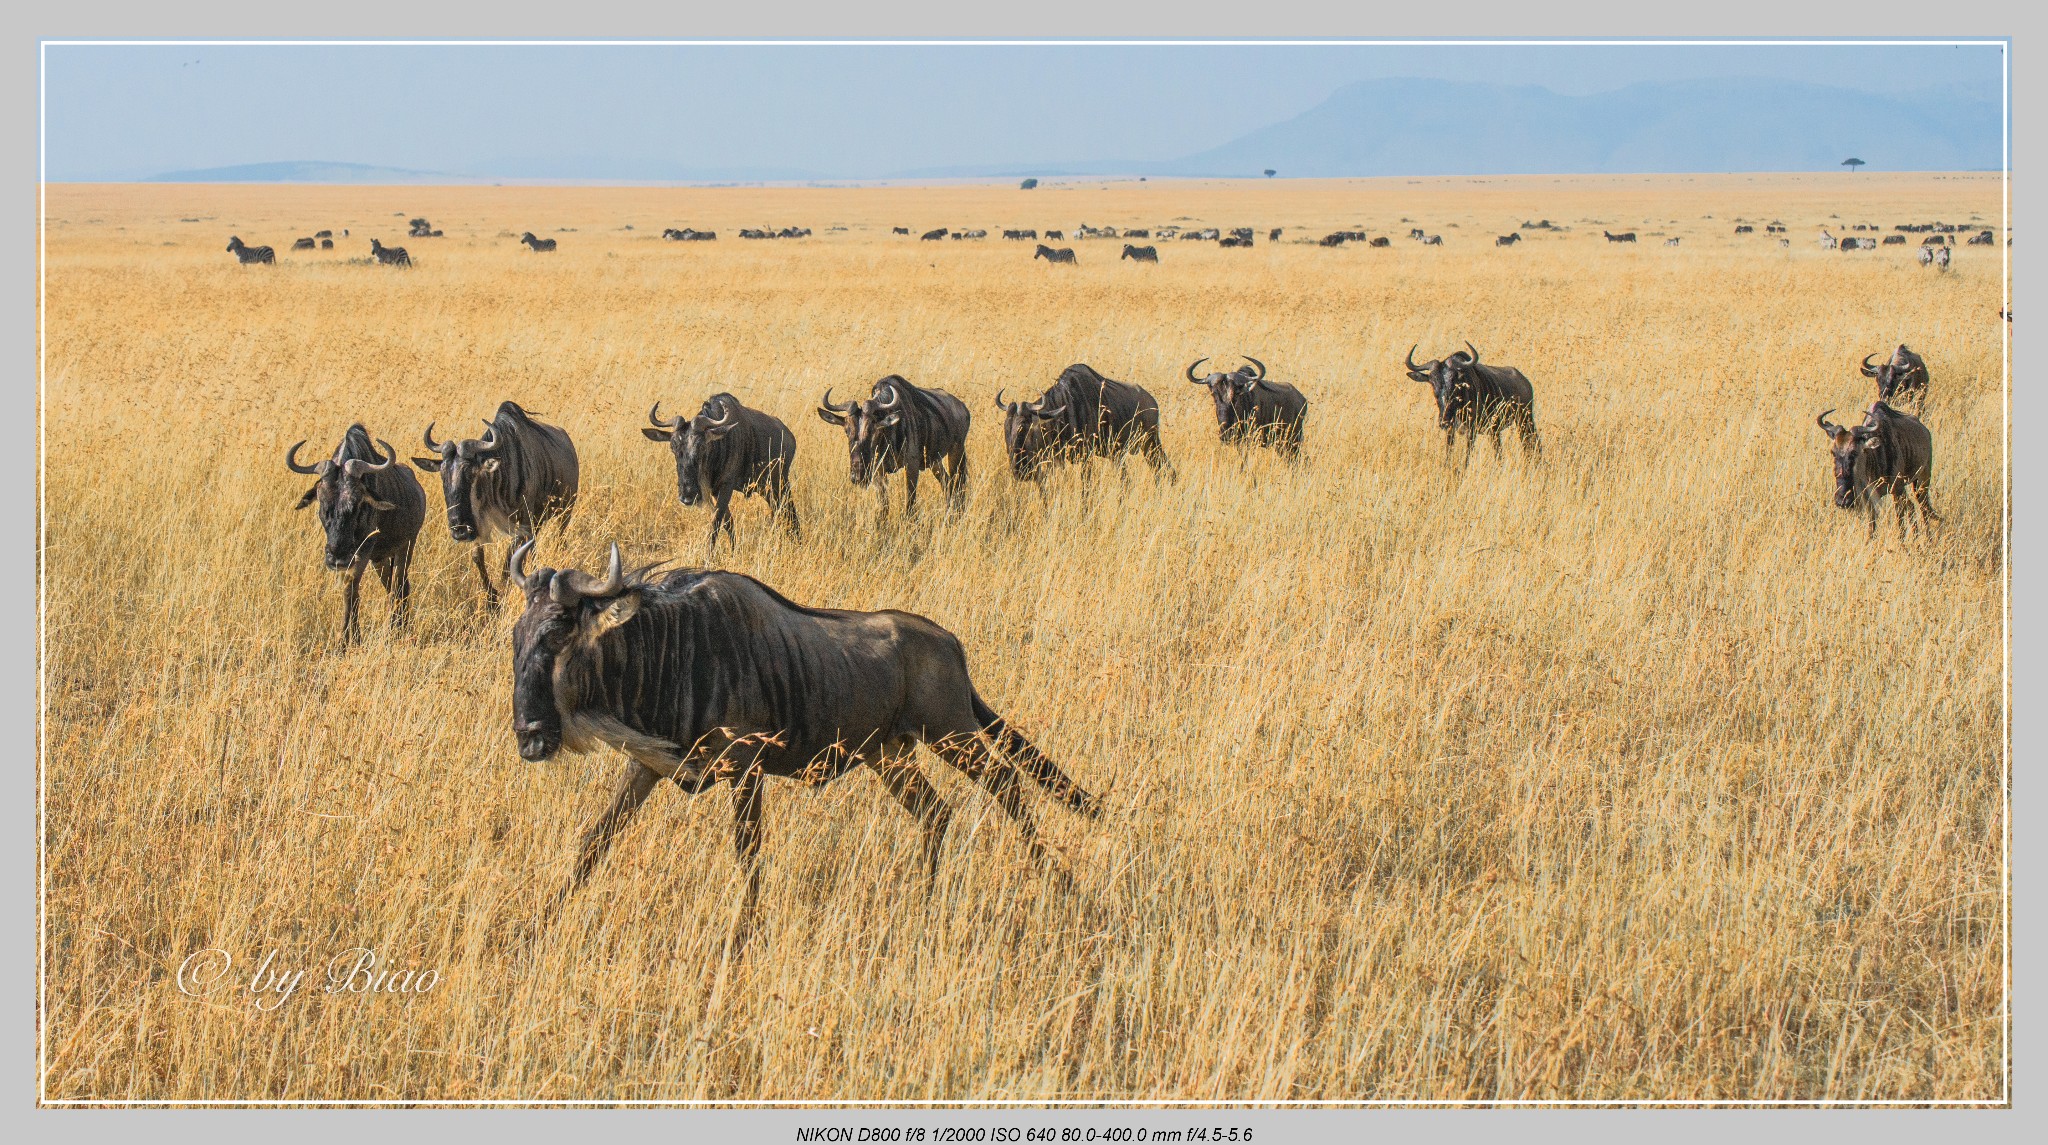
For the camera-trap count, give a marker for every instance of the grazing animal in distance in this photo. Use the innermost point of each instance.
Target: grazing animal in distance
(1382, 241)
(1058, 235)
(903, 427)
(1890, 454)
(1982, 238)
(726, 449)
(1082, 415)
(538, 245)
(1416, 233)
(899, 230)
(246, 254)
(1021, 236)
(1137, 233)
(519, 476)
(1273, 236)
(1827, 241)
(1904, 373)
(1251, 409)
(1432, 240)
(1941, 258)
(1508, 239)
(1334, 238)
(1623, 237)
(302, 244)
(326, 244)
(934, 234)
(1670, 242)
(323, 234)
(1475, 397)
(1745, 229)
(1064, 254)
(1234, 241)
(389, 255)
(371, 509)
(703, 676)
(1894, 240)
(1140, 253)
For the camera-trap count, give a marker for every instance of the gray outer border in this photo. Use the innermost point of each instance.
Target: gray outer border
(925, 19)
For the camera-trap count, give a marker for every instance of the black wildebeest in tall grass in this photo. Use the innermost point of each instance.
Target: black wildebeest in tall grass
(371, 509)
(540, 246)
(1064, 254)
(1250, 409)
(726, 449)
(701, 676)
(1890, 454)
(1624, 237)
(303, 244)
(1475, 397)
(389, 255)
(906, 427)
(246, 254)
(1140, 253)
(1903, 374)
(520, 475)
(1082, 415)
(932, 235)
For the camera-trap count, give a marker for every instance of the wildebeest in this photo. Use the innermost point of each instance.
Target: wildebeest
(1745, 229)
(688, 235)
(326, 244)
(906, 427)
(1623, 237)
(520, 475)
(1983, 238)
(1250, 409)
(1083, 414)
(935, 234)
(798, 233)
(1244, 233)
(303, 244)
(1416, 233)
(728, 448)
(1334, 238)
(1473, 397)
(757, 233)
(1859, 244)
(323, 234)
(418, 228)
(1273, 236)
(1774, 229)
(1137, 233)
(1905, 372)
(1208, 235)
(899, 230)
(389, 255)
(1140, 253)
(371, 509)
(1234, 241)
(1059, 235)
(701, 676)
(1064, 254)
(974, 234)
(538, 245)
(1890, 454)
(246, 254)
(1508, 239)
(1021, 236)
(1894, 240)
(1380, 241)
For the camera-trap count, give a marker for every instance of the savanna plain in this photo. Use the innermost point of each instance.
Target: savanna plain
(1635, 772)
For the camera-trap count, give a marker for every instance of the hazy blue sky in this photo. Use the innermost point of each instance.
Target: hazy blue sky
(842, 111)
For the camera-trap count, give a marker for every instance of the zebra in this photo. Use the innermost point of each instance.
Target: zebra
(539, 245)
(247, 254)
(388, 255)
(1064, 254)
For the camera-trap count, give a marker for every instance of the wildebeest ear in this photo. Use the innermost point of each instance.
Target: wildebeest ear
(654, 434)
(714, 432)
(1870, 442)
(380, 506)
(616, 611)
(430, 464)
(311, 495)
(892, 419)
(829, 416)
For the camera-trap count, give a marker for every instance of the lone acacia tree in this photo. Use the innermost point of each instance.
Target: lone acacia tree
(1852, 163)
(1270, 172)
(1029, 185)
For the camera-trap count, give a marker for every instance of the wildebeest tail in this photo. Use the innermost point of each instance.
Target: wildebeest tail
(1034, 762)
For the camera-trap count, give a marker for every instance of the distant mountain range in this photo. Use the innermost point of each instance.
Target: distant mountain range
(1421, 128)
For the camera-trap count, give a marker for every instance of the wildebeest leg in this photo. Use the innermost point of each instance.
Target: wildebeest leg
(490, 590)
(910, 490)
(1926, 504)
(956, 479)
(634, 782)
(1531, 443)
(1033, 761)
(721, 516)
(351, 630)
(973, 758)
(746, 841)
(918, 797)
(1450, 442)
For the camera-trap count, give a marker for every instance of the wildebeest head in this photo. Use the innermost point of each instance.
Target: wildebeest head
(870, 427)
(348, 509)
(562, 609)
(463, 466)
(1233, 392)
(1857, 456)
(1029, 433)
(688, 441)
(1449, 379)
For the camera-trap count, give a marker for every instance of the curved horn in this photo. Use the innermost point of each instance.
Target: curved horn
(431, 443)
(1259, 364)
(654, 418)
(1412, 367)
(291, 460)
(1868, 370)
(1825, 425)
(895, 394)
(999, 400)
(724, 422)
(489, 441)
(390, 457)
(571, 585)
(515, 563)
(1191, 371)
(1041, 411)
(826, 402)
(1475, 352)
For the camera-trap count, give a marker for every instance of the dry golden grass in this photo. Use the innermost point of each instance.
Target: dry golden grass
(1634, 774)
